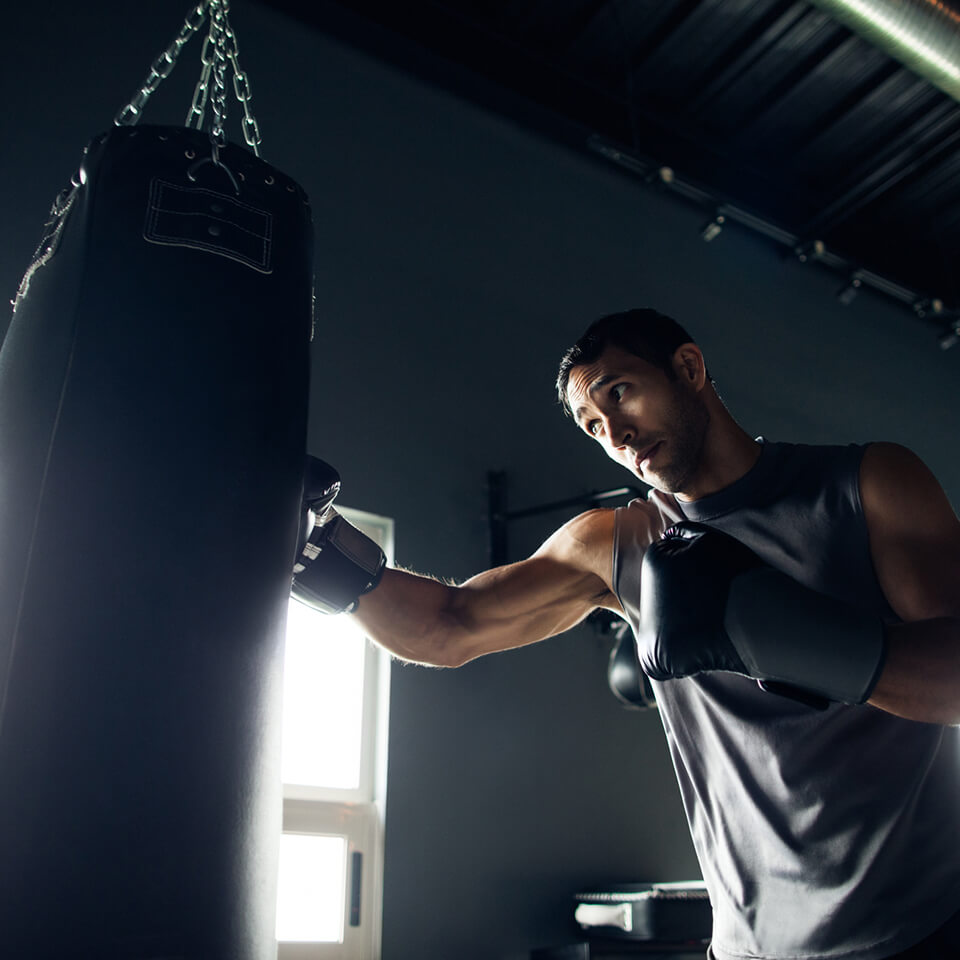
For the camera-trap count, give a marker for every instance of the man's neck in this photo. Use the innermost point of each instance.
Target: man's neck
(729, 453)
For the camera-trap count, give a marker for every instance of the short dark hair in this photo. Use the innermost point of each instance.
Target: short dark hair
(644, 332)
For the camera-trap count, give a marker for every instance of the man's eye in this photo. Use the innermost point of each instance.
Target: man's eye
(593, 427)
(618, 391)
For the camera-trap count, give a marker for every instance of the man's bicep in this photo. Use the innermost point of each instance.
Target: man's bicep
(585, 544)
(914, 533)
(570, 573)
(522, 603)
(543, 595)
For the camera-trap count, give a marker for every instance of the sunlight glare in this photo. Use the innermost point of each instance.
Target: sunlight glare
(312, 884)
(322, 700)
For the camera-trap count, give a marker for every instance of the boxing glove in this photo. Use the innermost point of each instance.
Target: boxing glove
(626, 680)
(336, 563)
(707, 602)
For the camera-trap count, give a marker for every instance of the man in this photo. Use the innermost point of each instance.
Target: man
(799, 616)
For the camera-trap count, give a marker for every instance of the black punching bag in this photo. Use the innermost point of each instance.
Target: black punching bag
(153, 397)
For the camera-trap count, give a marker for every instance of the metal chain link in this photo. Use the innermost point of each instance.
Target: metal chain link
(219, 47)
(130, 113)
(199, 104)
(202, 90)
(218, 99)
(241, 86)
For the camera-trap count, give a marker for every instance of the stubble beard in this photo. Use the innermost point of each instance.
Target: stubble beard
(690, 419)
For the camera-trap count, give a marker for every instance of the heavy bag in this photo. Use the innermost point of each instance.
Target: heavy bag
(153, 398)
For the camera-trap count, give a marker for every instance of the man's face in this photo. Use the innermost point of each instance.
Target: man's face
(654, 426)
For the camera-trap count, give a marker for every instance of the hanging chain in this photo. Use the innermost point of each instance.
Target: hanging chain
(219, 48)
(202, 90)
(218, 99)
(241, 88)
(161, 67)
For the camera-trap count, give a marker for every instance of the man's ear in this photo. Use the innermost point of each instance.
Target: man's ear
(689, 365)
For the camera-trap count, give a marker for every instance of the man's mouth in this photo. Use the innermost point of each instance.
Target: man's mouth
(646, 455)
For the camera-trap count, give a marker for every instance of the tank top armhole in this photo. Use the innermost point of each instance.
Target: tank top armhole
(635, 527)
(853, 465)
(857, 453)
(618, 518)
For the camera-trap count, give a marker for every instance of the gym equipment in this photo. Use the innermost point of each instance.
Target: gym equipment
(665, 914)
(153, 406)
(625, 677)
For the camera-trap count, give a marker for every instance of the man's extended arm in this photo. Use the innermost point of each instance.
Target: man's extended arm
(425, 621)
(915, 544)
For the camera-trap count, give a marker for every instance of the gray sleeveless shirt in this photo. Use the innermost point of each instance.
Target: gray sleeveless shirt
(832, 834)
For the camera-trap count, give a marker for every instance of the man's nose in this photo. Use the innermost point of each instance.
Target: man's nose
(619, 432)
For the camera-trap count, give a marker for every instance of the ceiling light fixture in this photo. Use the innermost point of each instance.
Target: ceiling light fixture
(812, 250)
(847, 294)
(714, 228)
(951, 336)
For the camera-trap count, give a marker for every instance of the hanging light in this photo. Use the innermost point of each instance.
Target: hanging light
(847, 294)
(812, 250)
(714, 228)
(951, 336)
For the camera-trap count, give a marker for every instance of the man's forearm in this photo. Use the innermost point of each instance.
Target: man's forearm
(409, 616)
(426, 621)
(921, 675)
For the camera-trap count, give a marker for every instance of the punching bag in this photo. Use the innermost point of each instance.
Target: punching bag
(153, 398)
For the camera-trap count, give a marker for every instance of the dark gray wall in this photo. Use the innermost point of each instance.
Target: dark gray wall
(457, 256)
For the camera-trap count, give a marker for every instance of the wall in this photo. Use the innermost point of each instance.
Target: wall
(457, 256)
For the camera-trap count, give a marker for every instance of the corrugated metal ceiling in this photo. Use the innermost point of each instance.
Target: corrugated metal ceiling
(769, 106)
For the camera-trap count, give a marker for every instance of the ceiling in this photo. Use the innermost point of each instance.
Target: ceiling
(767, 111)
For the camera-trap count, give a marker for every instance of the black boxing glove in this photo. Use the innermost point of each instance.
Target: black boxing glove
(336, 563)
(707, 602)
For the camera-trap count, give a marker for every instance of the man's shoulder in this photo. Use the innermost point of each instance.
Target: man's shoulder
(585, 541)
(584, 546)
(892, 479)
(809, 466)
(589, 530)
(595, 532)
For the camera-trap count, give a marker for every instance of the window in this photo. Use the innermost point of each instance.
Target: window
(335, 697)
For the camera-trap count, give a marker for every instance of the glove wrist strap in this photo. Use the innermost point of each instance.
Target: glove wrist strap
(337, 565)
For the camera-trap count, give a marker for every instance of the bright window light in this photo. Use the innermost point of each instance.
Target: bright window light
(312, 883)
(322, 700)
